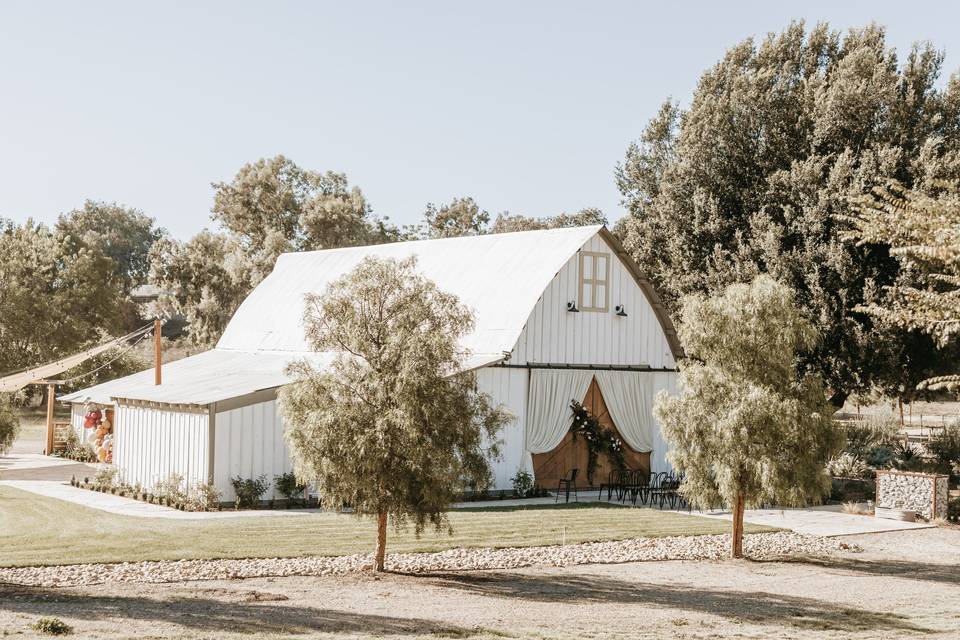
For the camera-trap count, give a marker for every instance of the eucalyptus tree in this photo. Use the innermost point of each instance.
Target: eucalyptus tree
(749, 178)
(748, 428)
(389, 427)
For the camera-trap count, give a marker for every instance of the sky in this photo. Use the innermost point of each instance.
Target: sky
(525, 106)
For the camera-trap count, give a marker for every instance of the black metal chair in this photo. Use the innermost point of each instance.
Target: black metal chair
(638, 486)
(566, 484)
(615, 481)
(658, 485)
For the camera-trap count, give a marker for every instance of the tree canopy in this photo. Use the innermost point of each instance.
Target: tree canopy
(270, 207)
(389, 427)
(777, 138)
(56, 298)
(922, 231)
(747, 428)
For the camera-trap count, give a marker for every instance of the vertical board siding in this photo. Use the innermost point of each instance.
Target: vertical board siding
(151, 443)
(554, 335)
(249, 443)
(508, 387)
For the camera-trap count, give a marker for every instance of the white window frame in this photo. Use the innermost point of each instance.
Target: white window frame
(594, 281)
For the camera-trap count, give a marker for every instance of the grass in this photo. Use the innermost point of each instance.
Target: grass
(43, 531)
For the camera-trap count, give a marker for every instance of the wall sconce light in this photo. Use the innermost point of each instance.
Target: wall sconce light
(572, 307)
(620, 311)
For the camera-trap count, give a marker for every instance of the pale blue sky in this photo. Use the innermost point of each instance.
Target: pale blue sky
(526, 106)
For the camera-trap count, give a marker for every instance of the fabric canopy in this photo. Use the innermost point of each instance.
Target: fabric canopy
(627, 396)
(548, 413)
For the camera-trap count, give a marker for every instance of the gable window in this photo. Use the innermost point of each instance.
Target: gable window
(594, 281)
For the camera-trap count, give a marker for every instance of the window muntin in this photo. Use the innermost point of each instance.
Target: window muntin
(594, 281)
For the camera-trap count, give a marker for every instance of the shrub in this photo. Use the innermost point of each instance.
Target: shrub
(945, 446)
(203, 497)
(171, 490)
(9, 423)
(249, 491)
(76, 450)
(51, 627)
(522, 483)
(879, 457)
(906, 456)
(288, 486)
(846, 465)
(106, 477)
(953, 509)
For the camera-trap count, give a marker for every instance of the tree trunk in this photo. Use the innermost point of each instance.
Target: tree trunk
(900, 405)
(736, 549)
(381, 542)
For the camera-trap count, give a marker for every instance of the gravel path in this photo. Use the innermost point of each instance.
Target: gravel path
(758, 546)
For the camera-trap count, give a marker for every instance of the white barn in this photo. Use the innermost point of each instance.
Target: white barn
(560, 314)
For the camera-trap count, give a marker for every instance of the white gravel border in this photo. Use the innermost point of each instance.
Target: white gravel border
(712, 547)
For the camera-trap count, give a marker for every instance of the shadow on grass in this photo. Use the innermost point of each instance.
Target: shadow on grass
(213, 615)
(753, 606)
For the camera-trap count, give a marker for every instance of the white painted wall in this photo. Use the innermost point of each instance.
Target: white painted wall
(554, 335)
(151, 443)
(248, 442)
(508, 387)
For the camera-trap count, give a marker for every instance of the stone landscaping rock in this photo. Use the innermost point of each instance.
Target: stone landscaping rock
(713, 547)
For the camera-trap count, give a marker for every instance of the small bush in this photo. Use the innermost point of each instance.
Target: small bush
(249, 491)
(879, 457)
(945, 446)
(9, 423)
(522, 484)
(203, 497)
(106, 476)
(51, 627)
(76, 450)
(846, 465)
(172, 490)
(906, 456)
(289, 487)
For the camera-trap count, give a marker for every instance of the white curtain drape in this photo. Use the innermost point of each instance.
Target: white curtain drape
(627, 395)
(548, 413)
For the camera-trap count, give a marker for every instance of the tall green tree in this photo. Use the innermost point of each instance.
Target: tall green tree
(56, 298)
(460, 217)
(747, 427)
(777, 138)
(271, 206)
(204, 279)
(389, 427)
(125, 236)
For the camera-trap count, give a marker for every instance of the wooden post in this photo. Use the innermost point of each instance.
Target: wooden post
(51, 398)
(156, 351)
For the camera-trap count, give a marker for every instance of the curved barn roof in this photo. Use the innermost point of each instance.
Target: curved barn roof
(499, 276)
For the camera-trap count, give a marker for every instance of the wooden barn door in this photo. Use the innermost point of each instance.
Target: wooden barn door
(549, 467)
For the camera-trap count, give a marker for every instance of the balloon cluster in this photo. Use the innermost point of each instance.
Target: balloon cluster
(101, 434)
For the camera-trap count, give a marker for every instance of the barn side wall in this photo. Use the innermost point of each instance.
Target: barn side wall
(249, 442)
(508, 387)
(150, 443)
(666, 381)
(554, 335)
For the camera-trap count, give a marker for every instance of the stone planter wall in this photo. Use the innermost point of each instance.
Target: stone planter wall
(924, 493)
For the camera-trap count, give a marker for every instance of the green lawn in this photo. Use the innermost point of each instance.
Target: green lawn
(37, 531)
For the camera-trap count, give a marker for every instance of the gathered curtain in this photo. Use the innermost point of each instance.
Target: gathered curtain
(627, 395)
(549, 415)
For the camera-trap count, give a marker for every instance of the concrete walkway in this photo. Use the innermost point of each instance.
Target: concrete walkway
(828, 520)
(136, 508)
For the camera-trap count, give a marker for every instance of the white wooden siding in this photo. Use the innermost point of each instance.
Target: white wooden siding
(508, 387)
(76, 420)
(151, 443)
(554, 335)
(248, 443)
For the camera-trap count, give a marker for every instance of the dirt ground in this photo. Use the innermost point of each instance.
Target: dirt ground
(903, 584)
